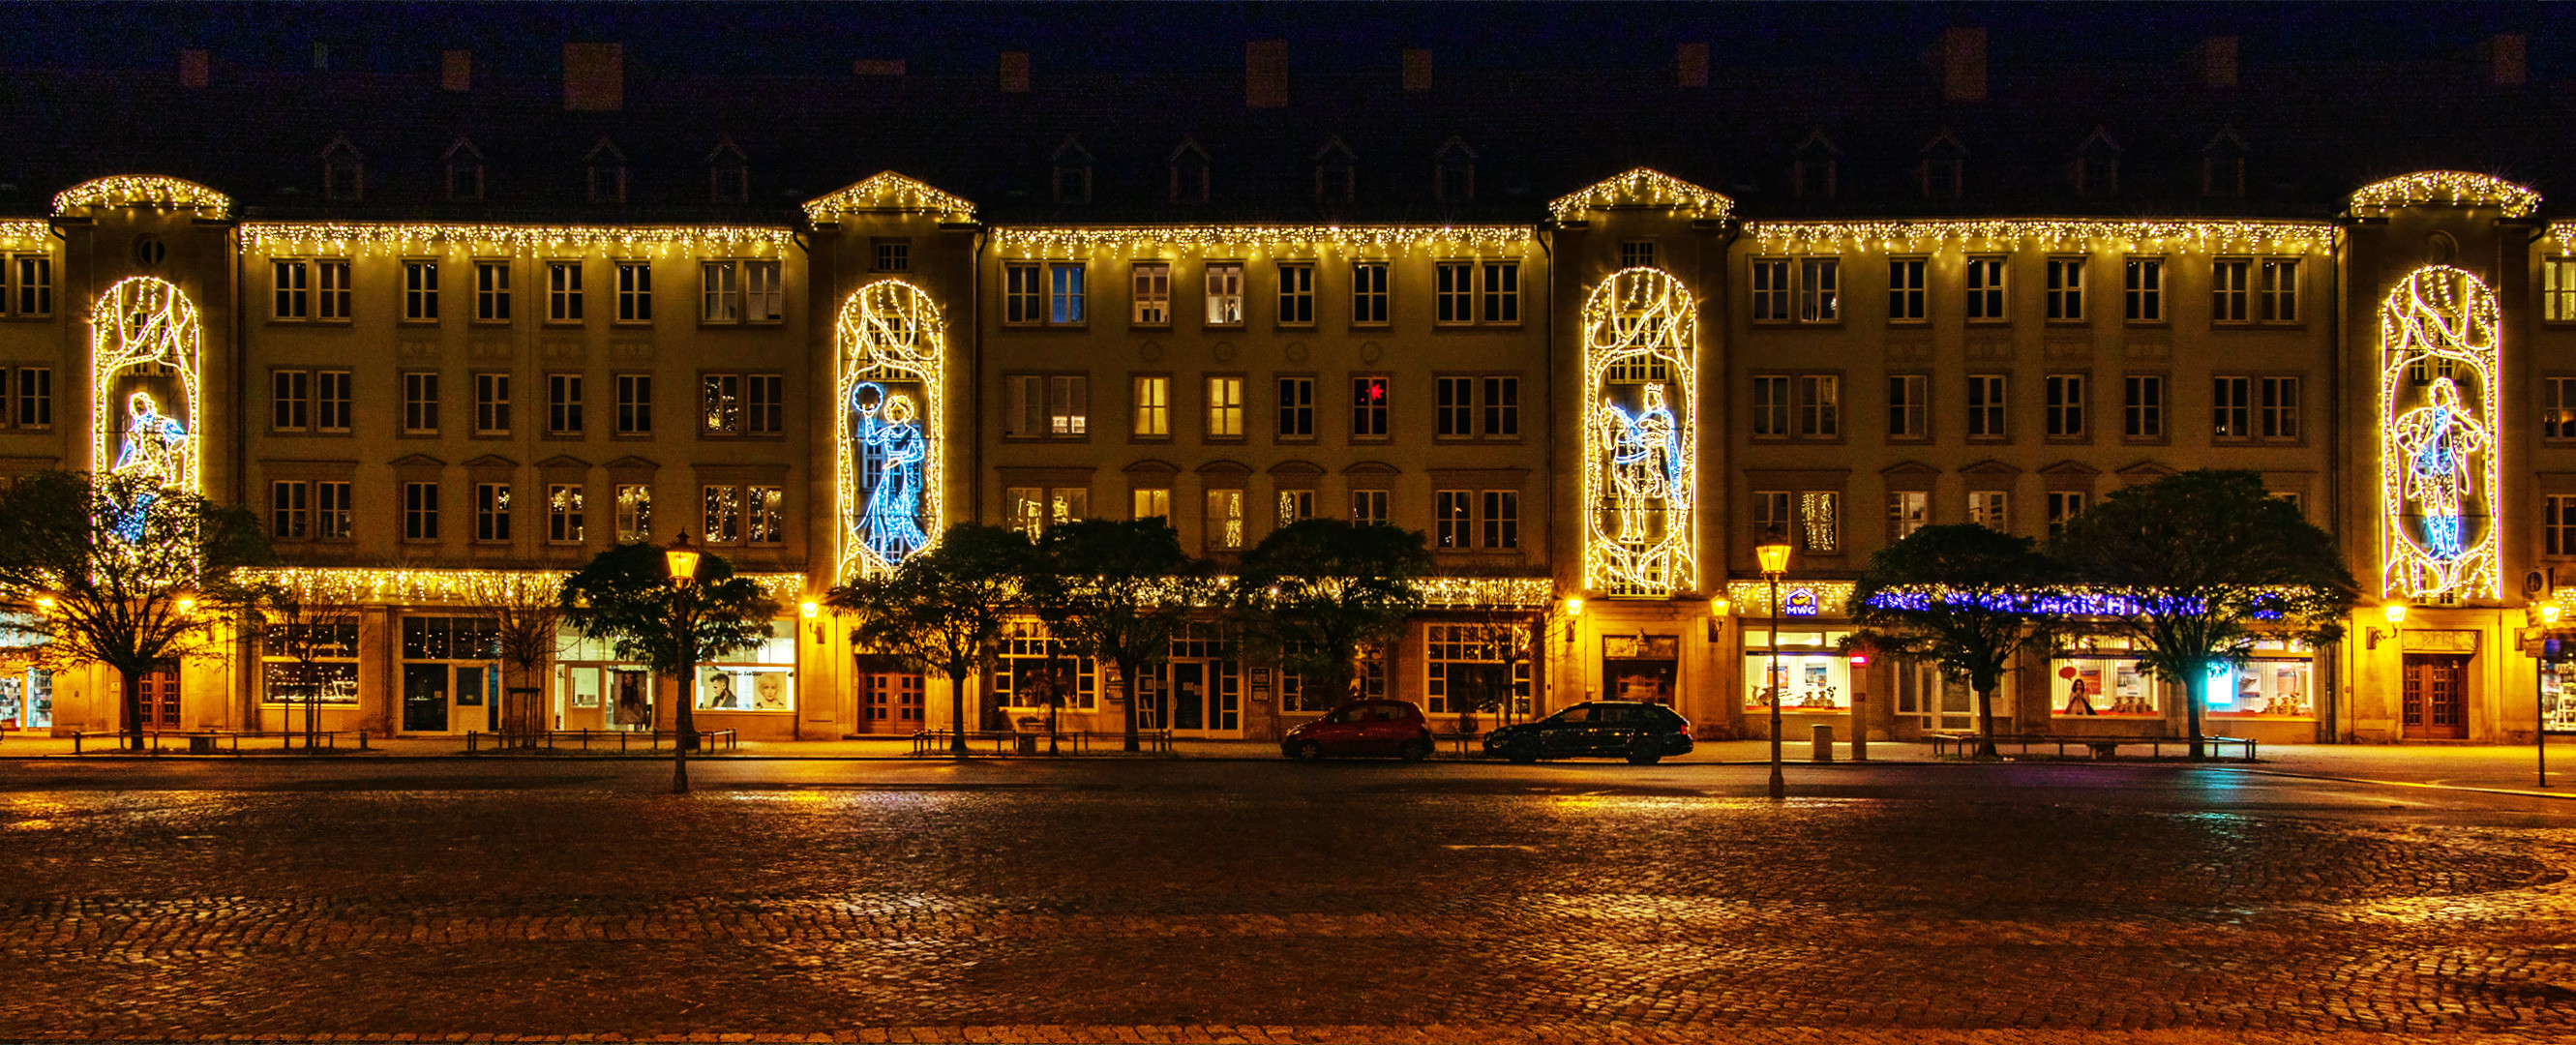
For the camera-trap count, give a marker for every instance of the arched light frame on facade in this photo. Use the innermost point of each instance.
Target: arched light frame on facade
(1640, 459)
(889, 191)
(127, 190)
(888, 330)
(1643, 187)
(143, 322)
(2457, 188)
(2438, 456)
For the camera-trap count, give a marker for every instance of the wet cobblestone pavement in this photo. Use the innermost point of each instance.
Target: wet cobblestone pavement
(1271, 903)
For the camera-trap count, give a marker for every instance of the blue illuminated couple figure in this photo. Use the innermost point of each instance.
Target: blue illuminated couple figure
(154, 451)
(1645, 462)
(2439, 440)
(890, 448)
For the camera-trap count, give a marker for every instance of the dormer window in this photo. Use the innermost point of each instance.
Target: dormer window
(604, 172)
(1189, 173)
(2222, 166)
(2097, 166)
(344, 171)
(1943, 170)
(1453, 172)
(1069, 179)
(464, 172)
(1336, 173)
(728, 174)
(1811, 168)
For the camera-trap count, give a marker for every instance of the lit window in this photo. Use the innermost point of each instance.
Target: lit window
(1225, 407)
(1153, 407)
(563, 514)
(1153, 293)
(1225, 294)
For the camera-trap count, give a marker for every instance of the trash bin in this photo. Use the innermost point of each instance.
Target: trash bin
(1026, 742)
(201, 744)
(1824, 742)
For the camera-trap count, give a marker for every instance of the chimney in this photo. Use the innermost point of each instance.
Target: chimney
(1963, 65)
(1265, 74)
(456, 71)
(1691, 61)
(594, 77)
(2506, 54)
(192, 67)
(1015, 72)
(1417, 69)
(876, 67)
(2218, 62)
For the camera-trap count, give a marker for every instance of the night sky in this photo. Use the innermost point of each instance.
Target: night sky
(934, 39)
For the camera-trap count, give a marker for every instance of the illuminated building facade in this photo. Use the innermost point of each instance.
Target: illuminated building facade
(1594, 388)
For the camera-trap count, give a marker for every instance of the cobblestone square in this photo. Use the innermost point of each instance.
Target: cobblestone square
(1259, 902)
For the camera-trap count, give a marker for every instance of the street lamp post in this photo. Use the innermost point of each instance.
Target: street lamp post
(682, 559)
(1775, 561)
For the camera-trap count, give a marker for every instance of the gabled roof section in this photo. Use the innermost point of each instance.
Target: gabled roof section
(463, 149)
(604, 152)
(1643, 187)
(889, 191)
(2457, 188)
(1335, 150)
(341, 146)
(726, 154)
(144, 190)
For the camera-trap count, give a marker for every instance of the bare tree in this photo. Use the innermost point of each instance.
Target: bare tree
(529, 617)
(295, 627)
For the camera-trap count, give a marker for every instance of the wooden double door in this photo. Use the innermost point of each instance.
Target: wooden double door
(2436, 703)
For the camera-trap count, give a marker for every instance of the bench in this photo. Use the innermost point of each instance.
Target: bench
(929, 743)
(554, 739)
(1960, 745)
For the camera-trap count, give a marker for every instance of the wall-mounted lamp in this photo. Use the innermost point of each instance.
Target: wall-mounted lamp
(812, 611)
(1573, 611)
(2396, 614)
(1718, 610)
(2549, 614)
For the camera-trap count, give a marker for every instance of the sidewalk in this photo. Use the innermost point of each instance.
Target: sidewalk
(2483, 767)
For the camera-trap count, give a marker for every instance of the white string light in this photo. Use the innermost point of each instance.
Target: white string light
(26, 234)
(889, 191)
(353, 586)
(2439, 347)
(1932, 234)
(2458, 188)
(127, 190)
(266, 238)
(147, 324)
(1274, 239)
(1643, 187)
(1640, 469)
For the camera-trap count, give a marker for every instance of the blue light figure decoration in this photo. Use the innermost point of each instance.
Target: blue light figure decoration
(154, 451)
(1644, 482)
(890, 450)
(2438, 440)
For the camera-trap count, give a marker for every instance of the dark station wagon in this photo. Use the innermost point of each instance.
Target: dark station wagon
(1640, 732)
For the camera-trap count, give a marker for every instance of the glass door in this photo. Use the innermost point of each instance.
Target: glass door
(424, 698)
(160, 698)
(2436, 706)
(1189, 696)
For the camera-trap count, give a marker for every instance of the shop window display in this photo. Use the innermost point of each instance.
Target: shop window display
(1813, 673)
(2276, 681)
(2102, 679)
(762, 678)
(27, 699)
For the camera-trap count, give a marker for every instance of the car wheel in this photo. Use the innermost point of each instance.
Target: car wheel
(1416, 749)
(1309, 751)
(1644, 753)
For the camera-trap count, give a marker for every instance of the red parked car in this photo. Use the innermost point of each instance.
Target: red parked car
(1363, 727)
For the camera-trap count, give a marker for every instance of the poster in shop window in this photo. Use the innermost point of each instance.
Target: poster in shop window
(634, 700)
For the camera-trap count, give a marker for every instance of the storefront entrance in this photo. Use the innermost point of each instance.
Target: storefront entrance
(159, 699)
(889, 701)
(2437, 705)
(450, 698)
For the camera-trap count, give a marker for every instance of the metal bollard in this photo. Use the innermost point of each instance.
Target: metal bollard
(1824, 742)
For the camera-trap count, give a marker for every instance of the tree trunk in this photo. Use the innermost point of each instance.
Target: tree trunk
(957, 709)
(133, 699)
(2192, 694)
(1986, 722)
(1127, 678)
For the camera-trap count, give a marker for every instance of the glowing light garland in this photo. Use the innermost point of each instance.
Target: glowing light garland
(144, 332)
(1753, 598)
(1928, 235)
(26, 234)
(2458, 188)
(2438, 454)
(889, 330)
(1037, 241)
(1643, 187)
(126, 190)
(1486, 592)
(353, 586)
(1640, 435)
(264, 238)
(889, 191)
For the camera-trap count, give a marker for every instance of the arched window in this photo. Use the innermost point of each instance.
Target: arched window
(1943, 170)
(2222, 166)
(1811, 167)
(1453, 172)
(464, 172)
(728, 174)
(344, 171)
(1189, 173)
(604, 172)
(1336, 173)
(2097, 166)
(1069, 173)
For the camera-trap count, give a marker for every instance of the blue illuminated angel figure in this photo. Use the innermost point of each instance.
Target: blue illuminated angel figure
(890, 448)
(154, 451)
(2438, 440)
(1645, 461)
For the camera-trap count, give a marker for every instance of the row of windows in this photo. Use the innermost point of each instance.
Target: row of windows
(1057, 406)
(729, 404)
(2242, 290)
(729, 514)
(1813, 518)
(29, 286)
(1809, 406)
(1461, 519)
(322, 290)
(1464, 293)
(27, 397)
